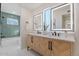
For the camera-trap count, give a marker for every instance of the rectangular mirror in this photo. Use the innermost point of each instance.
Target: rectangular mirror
(37, 22)
(62, 17)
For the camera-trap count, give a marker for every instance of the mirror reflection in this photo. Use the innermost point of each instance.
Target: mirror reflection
(38, 21)
(46, 19)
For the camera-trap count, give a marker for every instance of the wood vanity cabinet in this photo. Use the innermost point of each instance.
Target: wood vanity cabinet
(49, 47)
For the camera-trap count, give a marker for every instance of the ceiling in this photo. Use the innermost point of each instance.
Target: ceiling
(31, 6)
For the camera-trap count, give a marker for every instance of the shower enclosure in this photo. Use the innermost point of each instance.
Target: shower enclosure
(9, 25)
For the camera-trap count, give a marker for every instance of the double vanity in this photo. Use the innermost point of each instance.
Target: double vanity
(59, 18)
(50, 45)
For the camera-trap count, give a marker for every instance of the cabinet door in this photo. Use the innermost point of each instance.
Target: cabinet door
(29, 41)
(44, 46)
(61, 48)
(36, 42)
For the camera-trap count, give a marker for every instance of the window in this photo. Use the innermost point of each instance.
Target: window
(11, 21)
(47, 18)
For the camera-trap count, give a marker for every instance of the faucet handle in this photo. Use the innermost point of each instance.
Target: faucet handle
(54, 33)
(58, 34)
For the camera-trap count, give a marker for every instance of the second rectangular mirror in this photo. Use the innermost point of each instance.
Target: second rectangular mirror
(62, 17)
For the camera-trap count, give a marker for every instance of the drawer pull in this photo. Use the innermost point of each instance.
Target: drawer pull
(49, 45)
(32, 39)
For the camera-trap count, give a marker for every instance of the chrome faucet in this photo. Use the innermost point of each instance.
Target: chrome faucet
(55, 34)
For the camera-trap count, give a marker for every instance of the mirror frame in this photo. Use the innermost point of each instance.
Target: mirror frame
(71, 17)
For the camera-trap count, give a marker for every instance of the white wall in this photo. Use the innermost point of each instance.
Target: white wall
(76, 19)
(45, 6)
(11, 8)
(26, 15)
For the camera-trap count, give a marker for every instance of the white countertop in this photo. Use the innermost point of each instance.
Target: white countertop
(68, 38)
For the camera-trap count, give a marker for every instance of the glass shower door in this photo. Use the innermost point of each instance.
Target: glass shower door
(0, 35)
(10, 25)
(0, 32)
